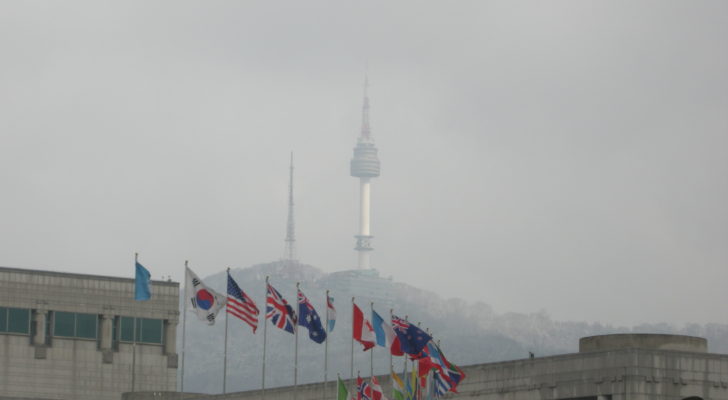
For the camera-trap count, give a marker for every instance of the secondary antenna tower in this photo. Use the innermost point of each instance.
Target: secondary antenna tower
(290, 251)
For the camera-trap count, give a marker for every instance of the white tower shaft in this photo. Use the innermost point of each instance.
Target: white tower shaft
(364, 232)
(364, 165)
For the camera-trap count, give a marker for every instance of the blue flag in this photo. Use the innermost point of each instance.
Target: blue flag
(309, 318)
(411, 338)
(142, 282)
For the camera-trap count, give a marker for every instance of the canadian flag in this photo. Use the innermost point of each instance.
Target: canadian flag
(363, 331)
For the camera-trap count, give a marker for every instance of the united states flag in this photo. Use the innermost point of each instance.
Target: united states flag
(240, 305)
(278, 311)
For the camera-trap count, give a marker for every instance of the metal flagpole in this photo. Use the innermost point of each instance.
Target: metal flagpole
(404, 373)
(351, 370)
(133, 346)
(224, 357)
(391, 359)
(326, 345)
(371, 351)
(295, 351)
(265, 331)
(184, 329)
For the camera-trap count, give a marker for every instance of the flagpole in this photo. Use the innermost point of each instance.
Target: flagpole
(133, 346)
(406, 318)
(391, 359)
(224, 358)
(326, 346)
(371, 354)
(351, 370)
(184, 329)
(295, 351)
(265, 331)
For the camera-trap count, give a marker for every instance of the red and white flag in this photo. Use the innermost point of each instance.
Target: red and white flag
(239, 304)
(377, 392)
(363, 331)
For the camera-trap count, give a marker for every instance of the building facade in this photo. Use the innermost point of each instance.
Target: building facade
(608, 367)
(77, 337)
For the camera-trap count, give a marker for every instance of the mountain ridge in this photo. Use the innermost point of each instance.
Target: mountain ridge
(469, 333)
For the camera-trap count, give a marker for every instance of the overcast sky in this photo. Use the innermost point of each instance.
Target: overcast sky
(567, 156)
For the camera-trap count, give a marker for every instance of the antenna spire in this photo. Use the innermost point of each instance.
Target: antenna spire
(365, 128)
(290, 252)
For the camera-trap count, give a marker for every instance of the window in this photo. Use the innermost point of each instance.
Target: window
(15, 320)
(148, 330)
(64, 324)
(86, 325)
(76, 325)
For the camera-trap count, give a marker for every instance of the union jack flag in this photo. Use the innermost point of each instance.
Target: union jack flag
(278, 311)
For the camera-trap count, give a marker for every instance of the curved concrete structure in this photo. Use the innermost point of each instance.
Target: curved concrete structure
(649, 341)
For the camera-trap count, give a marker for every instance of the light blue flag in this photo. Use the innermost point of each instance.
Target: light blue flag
(142, 282)
(379, 330)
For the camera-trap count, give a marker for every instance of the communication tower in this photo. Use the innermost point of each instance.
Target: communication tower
(365, 166)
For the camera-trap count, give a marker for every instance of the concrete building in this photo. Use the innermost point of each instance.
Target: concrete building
(76, 337)
(609, 367)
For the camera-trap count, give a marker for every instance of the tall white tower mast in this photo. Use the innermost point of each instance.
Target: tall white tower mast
(290, 251)
(365, 166)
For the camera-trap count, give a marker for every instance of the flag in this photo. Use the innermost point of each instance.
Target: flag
(377, 393)
(412, 339)
(397, 387)
(363, 390)
(363, 331)
(240, 305)
(278, 311)
(411, 386)
(142, 282)
(456, 375)
(343, 394)
(432, 357)
(330, 313)
(309, 319)
(205, 301)
(442, 386)
(385, 335)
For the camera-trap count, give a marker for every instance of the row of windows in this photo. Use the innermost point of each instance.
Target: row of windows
(84, 326)
(75, 325)
(144, 330)
(14, 320)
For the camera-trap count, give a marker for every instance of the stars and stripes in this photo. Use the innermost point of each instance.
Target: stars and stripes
(240, 305)
(279, 311)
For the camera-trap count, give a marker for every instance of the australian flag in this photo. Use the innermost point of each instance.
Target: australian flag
(411, 338)
(309, 319)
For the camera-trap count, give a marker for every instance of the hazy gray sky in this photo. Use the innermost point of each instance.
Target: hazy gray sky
(568, 156)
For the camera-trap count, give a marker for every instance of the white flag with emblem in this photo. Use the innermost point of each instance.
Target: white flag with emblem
(205, 301)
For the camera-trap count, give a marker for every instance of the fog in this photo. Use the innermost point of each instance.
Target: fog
(560, 156)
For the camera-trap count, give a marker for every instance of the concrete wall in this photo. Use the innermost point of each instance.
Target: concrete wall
(79, 369)
(628, 374)
(643, 341)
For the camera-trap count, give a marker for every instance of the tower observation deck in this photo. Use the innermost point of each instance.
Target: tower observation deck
(365, 166)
